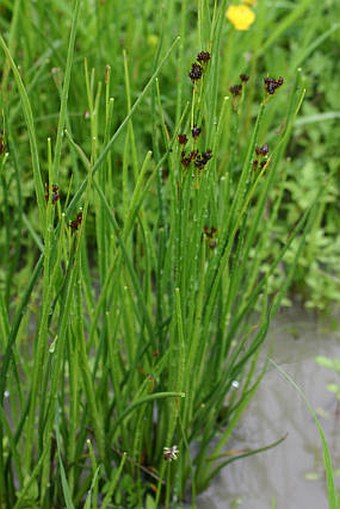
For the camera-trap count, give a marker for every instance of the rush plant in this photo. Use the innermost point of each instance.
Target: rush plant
(138, 217)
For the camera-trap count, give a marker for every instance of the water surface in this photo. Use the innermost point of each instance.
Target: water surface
(293, 472)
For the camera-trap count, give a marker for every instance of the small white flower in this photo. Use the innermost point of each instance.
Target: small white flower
(171, 453)
(235, 384)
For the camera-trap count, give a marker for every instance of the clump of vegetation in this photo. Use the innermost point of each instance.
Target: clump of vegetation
(146, 248)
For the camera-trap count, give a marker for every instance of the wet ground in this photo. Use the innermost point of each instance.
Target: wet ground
(292, 473)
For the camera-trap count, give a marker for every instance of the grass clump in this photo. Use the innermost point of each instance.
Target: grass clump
(135, 251)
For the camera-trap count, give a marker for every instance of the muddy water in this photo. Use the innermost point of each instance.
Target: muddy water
(292, 474)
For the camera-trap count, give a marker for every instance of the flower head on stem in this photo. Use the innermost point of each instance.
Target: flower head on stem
(171, 453)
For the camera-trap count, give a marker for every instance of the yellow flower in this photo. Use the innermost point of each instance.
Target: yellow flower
(240, 16)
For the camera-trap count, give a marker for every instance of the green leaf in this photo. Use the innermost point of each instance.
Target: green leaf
(326, 362)
(64, 483)
(150, 502)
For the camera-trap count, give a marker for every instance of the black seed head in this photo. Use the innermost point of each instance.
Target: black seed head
(271, 85)
(210, 232)
(203, 57)
(74, 225)
(2, 143)
(207, 155)
(187, 159)
(196, 131)
(196, 72)
(235, 90)
(182, 139)
(244, 78)
(55, 193)
(201, 160)
(262, 151)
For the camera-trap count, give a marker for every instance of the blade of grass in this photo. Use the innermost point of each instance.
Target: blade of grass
(296, 12)
(21, 500)
(143, 401)
(113, 138)
(331, 489)
(88, 503)
(246, 454)
(65, 92)
(29, 119)
(113, 483)
(66, 488)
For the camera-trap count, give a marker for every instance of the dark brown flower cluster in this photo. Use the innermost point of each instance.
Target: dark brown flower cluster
(244, 78)
(2, 143)
(195, 131)
(197, 68)
(187, 158)
(75, 224)
(196, 72)
(271, 85)
(55, 193)
(203, 57)
(210, 235)
(182, 139)
(262, 153)
(199, 159)
(236, 90)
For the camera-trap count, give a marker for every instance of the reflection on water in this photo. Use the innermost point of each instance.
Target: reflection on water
(292, 473)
